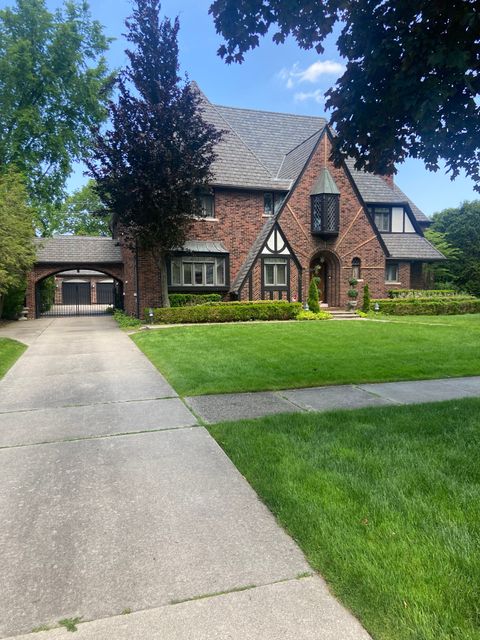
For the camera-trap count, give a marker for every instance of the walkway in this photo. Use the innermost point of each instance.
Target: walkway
(114, 500)
(239, 406)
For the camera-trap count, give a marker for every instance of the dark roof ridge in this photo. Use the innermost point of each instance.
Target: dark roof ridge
(315, 133)
(277, 113)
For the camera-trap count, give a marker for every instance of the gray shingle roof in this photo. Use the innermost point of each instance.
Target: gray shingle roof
(296, 159)
(255, 145)
(77, 250)
(271, 136)
(374, 188)
(405, 246)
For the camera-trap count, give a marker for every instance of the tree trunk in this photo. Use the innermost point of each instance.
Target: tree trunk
(164, 280)
(2, 298)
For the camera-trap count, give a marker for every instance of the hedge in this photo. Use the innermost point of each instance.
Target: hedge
(428, 306)
(189, 299)
(227, 312)
(421, 293)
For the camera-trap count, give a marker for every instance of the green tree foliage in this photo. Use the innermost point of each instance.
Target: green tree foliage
(457, 233)
(312, 299)
(411, 83)
(83, 214)
(54, 86)
(441, 274)
(17, 252)
(159, 150)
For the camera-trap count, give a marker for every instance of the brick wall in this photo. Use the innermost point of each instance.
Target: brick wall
(356, 239)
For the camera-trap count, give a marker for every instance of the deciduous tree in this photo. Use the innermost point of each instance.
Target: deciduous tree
(151, 163)
(459, 228)
(17, 252)
(83, 213)
(412, 81)
(54, 85)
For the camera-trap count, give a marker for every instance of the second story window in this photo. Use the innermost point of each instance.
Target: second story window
(391, 219)
(325, 205)
(325, 214)
(272, 201)
(207, 205)
(382, 217)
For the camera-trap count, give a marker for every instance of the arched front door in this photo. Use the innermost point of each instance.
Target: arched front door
(325, 266)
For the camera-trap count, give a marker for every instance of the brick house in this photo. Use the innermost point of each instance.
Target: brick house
(278, 210)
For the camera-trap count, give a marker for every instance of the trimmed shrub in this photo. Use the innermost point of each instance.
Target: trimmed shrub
(227, 312)
(312, 300)
(422, 293)
(310, 315)
(189, 299)
(366, 299)
(428, 306)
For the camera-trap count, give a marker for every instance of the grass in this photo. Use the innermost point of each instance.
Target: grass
(10, 351)
(70, 624)
(384, 502)
(252, 357)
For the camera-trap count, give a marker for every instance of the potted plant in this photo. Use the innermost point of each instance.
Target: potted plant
(352, 293)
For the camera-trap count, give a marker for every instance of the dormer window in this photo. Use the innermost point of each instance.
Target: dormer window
(325, 202)
(390, 219)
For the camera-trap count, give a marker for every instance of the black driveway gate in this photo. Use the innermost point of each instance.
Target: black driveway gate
(76, 298)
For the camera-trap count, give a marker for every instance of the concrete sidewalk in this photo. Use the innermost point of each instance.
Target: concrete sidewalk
(239, 406)
(114, 499)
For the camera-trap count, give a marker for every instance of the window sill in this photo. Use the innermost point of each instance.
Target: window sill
(205, 219)
(264, 215)
(393, 282)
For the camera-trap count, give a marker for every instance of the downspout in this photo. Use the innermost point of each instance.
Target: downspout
(136, 279)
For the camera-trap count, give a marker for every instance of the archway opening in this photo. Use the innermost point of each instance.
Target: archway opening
(325, 266)
(77, 292)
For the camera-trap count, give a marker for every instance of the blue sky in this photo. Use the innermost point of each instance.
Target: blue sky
(274, 78)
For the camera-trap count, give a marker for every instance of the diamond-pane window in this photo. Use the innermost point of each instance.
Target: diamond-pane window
(325, 214)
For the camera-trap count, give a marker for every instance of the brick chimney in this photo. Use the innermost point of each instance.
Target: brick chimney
(389, 180)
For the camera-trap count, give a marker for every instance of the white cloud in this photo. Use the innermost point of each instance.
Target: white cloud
(311, 74)
(304, 96)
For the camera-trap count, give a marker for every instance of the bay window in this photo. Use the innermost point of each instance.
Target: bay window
(198, 271)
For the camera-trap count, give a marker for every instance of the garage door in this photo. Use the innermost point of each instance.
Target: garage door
(76, 293)
(105, 293)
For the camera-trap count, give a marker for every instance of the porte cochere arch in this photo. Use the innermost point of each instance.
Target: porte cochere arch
(66, 253)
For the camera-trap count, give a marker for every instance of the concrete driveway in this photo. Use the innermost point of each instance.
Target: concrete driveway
(114, 500)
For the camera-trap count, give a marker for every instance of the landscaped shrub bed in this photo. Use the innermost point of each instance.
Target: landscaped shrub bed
(427, 306)
(422, 293)
(189, 299)
(227, 312)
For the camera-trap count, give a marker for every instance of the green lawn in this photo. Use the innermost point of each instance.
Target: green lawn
(10, 351)
(384, 502)
(251, 357)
